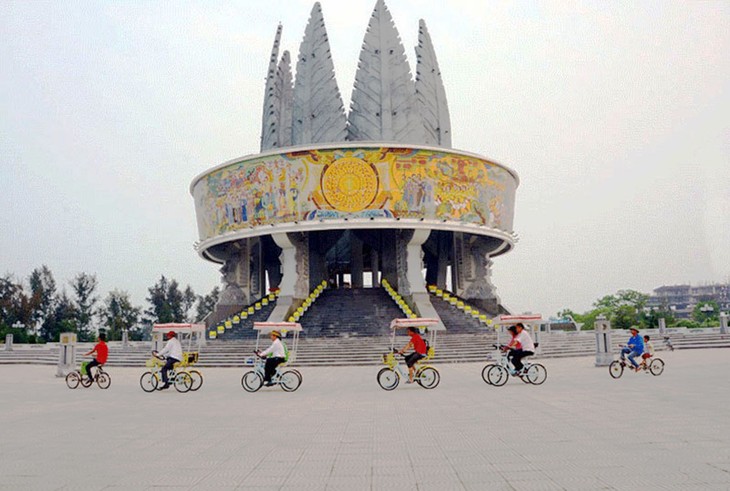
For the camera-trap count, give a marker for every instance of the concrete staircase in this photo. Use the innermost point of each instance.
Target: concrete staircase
(353, 312)
(455, 320)
(244, 328)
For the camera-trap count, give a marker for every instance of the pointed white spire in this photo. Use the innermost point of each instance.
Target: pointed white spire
(318, 113)
(284, 99)
(383, 103)
(269, 128)
(430, 92)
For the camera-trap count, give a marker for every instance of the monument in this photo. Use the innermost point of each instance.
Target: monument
(374, 191)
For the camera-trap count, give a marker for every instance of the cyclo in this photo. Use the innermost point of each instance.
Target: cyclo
(426, 376)
(289, 379)
(183, 374)
(497, 374)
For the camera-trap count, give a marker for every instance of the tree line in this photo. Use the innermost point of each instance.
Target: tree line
(35, 309)
(627, 308)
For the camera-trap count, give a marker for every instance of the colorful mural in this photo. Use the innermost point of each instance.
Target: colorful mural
(354, 183)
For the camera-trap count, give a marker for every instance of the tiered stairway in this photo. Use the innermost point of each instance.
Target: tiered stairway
(353, 312)
(243, 329)
(455, 320)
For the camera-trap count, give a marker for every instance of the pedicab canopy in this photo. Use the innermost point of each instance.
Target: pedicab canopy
(183, 329)
(283, 327)
(503, 320)
(432, 324)
(179, 328)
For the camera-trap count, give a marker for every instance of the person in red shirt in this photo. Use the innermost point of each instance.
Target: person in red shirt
(102, 353)
(419, 351)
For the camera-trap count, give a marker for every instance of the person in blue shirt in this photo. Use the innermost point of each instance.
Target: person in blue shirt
(634, 348)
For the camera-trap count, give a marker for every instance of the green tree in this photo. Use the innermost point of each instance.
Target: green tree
(118, 314)
(63, 318)
(168, 303)
(43, 295)
(706, 313)
(83, 286)
(206, 304)
(15, 307)
(623, 308)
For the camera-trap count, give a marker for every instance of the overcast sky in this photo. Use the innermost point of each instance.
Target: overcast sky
(616, 115)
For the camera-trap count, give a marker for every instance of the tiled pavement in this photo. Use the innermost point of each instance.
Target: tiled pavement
(580, 430)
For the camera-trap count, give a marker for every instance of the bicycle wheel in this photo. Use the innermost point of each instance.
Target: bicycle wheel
(73, 379)
(296, 372)
(657, 366)
(498, 375)
(290, 381)
(183, 382)
(197, 379)
(251, 381)
(103, 380)
(428, 377)
(85, 381)
(616, 369)
(388, 379)
(148, 382)
(485, 371)
(536, 374)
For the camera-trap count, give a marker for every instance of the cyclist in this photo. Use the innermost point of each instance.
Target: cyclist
(419, 351)
(519, 347)
(648, 351)
(173, 353)
(102, 353)
(634, 348)
(276, 356)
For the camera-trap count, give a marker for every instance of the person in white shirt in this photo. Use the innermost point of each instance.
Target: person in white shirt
(520, 346)
(173, 354)
(276, 356)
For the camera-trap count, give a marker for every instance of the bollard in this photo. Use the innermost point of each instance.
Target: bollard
(125, 339)
(723, 323)
(662, 326)
(8, 342)
(604, 355)
(66, 354)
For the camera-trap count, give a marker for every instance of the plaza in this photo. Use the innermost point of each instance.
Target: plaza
(579, 430)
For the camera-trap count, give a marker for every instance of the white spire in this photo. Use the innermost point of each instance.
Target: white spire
(383, 106)
(318, 114)
(284, 98)
(430, 92)
(268, 121)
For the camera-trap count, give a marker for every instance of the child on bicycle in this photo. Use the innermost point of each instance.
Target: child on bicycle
(102, 353)
(648, 351)
(276, 356)
(419, 351)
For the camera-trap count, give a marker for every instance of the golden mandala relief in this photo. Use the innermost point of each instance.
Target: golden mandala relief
(349, 184)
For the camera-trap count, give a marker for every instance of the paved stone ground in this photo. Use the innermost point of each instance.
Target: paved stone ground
(340, 431)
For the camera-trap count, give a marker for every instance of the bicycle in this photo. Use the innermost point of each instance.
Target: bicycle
(426, 376)
(497, 374)
(253, 380)
(102, 379)
(655, 367)
(181, 379)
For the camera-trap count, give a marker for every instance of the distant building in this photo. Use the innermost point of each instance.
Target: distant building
(682, 299)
